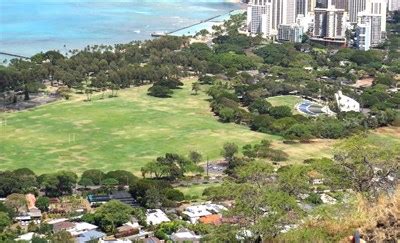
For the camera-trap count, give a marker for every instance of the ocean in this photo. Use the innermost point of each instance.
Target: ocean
(30, 26)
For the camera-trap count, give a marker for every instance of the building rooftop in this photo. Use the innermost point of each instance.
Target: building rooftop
(89, 235)
(156, 216)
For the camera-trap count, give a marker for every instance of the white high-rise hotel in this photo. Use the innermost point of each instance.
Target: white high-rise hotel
(265, 16)
(328, 19)
(393, 5)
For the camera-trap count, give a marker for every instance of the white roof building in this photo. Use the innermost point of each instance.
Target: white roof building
(81, 228)
(346, 103)
(156, 216)
(195, 212)
(185, 235)
(26, 237)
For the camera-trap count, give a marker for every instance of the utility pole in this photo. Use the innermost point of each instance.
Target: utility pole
(207, 166)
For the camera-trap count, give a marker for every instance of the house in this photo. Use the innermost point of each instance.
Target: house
(28, 237)
(89, 236)
(345, 103)
(35, 213)
(214, 219)
(124, 197)
(151, 240)
(156, 216)
(121, 196)
(81, 227)
(185, 235)
(327, 199)
(112, 240)
(126, 230)
(64, 225)
(195, 212)
(98, 199)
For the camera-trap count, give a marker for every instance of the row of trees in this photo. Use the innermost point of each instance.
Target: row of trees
(24, 181)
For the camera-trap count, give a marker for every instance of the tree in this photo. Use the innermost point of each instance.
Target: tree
(294, 179)
(160, 91)
(229, 150)
(368, 166)
(112, 214)
(280, 111)
(59, 183)
(153, 198)
(299, 131)
(122, 176)
(85, 182)
(195, 156)
(226, 114)
(16, 201)
(196, 87)
(171, 165)
(110, 183)
(5, 221)
(42, 203)
(261, 106)
(96, 176)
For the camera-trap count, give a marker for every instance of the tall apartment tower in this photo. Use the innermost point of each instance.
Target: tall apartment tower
(355, 7)
(393, 5)
(363, 36)
(378, 7)
(302, 7)
(341, 4)
(329, 23)
(259, 17)
(372, 24)
(265, 16)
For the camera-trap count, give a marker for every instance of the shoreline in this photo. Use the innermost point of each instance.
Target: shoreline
(9, 55)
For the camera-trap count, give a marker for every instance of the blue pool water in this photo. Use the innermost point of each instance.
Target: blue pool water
(30, 26)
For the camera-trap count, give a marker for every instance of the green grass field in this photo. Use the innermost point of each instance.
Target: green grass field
(195, 190)
(128, 131)
(115, 133)
(286, 100)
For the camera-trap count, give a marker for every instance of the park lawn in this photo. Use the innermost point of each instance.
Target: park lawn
(286, 100)
(115, 133)
(195, 191)
(128, 131)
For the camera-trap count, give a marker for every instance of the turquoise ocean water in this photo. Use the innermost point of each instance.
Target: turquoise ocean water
(31, 26)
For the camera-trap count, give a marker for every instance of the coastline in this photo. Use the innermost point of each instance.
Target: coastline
(140, 21)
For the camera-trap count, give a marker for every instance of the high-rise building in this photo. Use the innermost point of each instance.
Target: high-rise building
(259, 17)
(290, 32)
(265, 16)
(289, 11)
(363, 37)
(341, 4)
(311, 5)
(393, 5)
(354, 8)
(369, 6)
(377, 7)
(301, 7)
(330, 22)
(373, 26)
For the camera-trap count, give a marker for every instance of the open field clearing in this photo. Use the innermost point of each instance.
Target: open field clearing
(286, 100)
(128, 131)
(115, 133)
